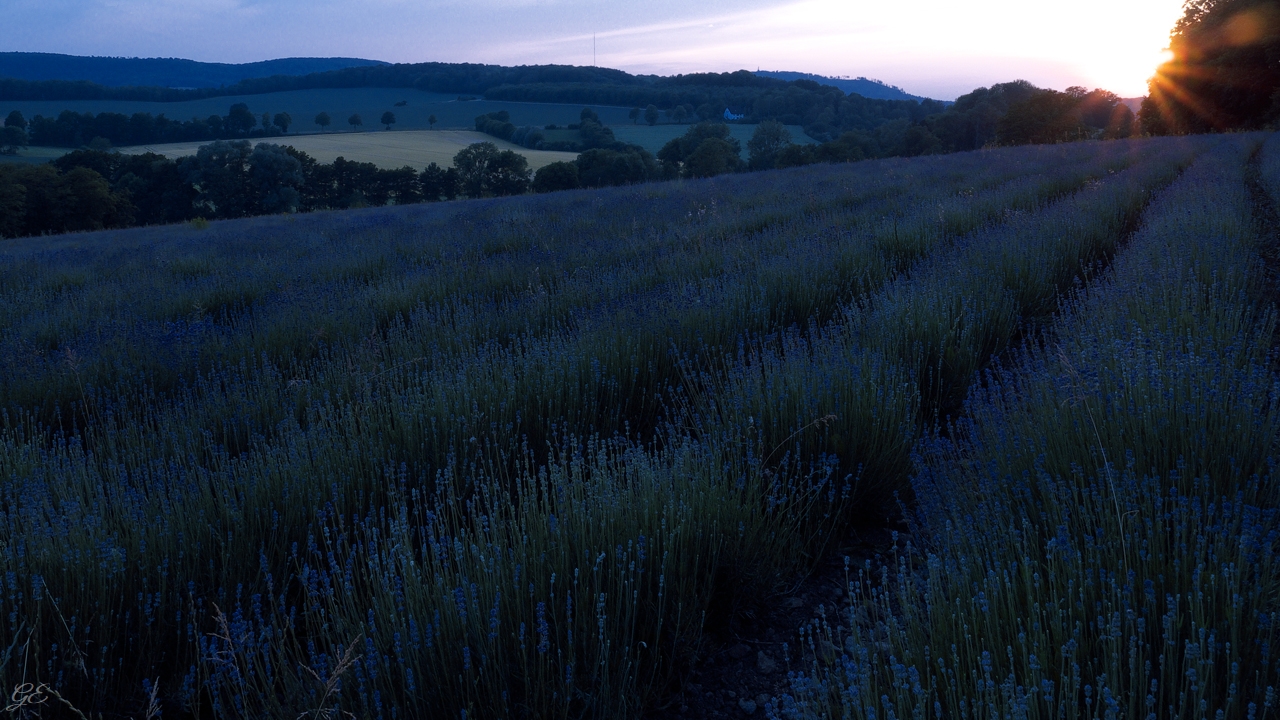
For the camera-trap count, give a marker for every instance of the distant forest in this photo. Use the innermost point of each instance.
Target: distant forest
(159, 72)
(824, 111)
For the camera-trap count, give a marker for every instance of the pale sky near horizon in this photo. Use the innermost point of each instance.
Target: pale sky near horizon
(935, 48)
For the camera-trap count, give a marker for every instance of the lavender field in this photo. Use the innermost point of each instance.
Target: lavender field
(512, 458)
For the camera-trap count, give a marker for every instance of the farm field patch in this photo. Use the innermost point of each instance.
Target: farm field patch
(653, 137)
(34, 155)
(340, 104)
(416, 148)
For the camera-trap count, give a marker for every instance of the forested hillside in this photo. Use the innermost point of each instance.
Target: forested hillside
(159, 72)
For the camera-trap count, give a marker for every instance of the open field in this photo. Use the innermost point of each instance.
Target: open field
(548, 456)
(34, 155)
(394, 149)
(304, 105)
(417, 148)
(652, 138)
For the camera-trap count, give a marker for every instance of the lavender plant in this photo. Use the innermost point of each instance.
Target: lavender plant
(430, 460)
(1098, 537)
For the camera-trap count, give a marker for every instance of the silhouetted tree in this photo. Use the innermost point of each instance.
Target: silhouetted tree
(274, 178)
(157, 189)
(13, 205)
(770, 137)
(431, 121)
(1121, 124)
(677, 151)
(497, 124)
(794, 156)
(323, 121)
(221, 172)
(38, 199)
(634, 115)
(282, 121)
(1224, 73)
(355, 121)
(918, 140)
(484, 171)
(439, 183)
(556, 176)
(402, 185)
(15, 119)
(651, 114)
(11, 139)
(1047, 116)
(713, 156)
(239, 121)
(388, 119)
(601, 167)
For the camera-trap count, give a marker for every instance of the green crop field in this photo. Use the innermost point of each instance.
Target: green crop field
(653, 137)
(304, 105)
(394, 149)
(34, 155)
(552, 456)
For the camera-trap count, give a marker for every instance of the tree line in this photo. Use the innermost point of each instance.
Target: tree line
(434, 77)
(72, 130)
(93, 189)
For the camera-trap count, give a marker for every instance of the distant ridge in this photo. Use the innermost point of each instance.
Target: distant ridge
(873, 89)
(160, 72)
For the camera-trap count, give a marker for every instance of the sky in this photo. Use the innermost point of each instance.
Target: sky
(934, 48)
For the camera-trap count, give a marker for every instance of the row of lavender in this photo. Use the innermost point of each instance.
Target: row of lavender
(166, 304)
(1099, 537)
(232, 518)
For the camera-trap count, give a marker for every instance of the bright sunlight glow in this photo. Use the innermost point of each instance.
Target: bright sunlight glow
(938, 48)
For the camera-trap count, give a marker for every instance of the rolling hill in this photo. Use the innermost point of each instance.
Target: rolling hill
(160, 72)
(867, 88)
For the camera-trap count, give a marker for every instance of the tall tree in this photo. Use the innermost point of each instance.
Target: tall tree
(1224, 73)
(439, 183)
(388, 119)
(355, 121)
(484, 171)
(651, 114)
(15, 119)
(768, 139)
(556, 176)
(274, 179)
(431, 122)
(239, 121)
(282, 121)
(1048, 116)
(323, 121)
(713, 156)
(221, 171)
(12, 138)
